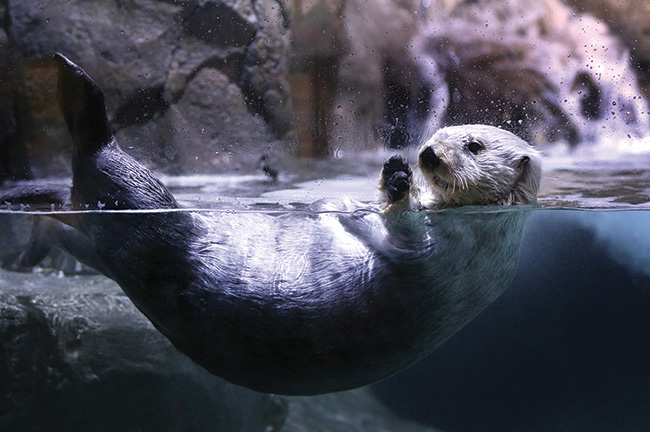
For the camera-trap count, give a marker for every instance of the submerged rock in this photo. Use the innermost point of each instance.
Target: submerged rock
(355, 410)
(77, 355)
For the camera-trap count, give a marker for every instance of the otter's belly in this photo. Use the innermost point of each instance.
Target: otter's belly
(295, 304)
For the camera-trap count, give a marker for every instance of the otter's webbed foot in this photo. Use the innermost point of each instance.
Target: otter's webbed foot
(396, 178)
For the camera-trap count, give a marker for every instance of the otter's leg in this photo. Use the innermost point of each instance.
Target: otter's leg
(40, 246)
(396, 177)
(48, 234)
(57, 230)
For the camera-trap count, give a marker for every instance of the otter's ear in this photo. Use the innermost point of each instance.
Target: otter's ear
(523, 162)
(527, 184)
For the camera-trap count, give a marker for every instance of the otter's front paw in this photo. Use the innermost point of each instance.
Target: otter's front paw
(396, 178)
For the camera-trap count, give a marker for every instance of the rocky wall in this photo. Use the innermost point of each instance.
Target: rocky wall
(187, 83)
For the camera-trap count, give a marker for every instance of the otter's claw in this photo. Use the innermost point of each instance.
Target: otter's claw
(396, 178)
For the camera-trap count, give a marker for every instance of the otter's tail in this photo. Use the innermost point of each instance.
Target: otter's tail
(82, 102)
(113, 177)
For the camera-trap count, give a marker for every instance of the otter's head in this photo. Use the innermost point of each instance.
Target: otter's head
(480, 165)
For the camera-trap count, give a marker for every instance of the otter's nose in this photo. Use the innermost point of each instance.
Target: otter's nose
(429, 159)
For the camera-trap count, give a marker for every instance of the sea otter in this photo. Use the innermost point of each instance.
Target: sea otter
(304, 302)
(467, 165)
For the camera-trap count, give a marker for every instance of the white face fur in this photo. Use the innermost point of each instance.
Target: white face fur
(479, 165)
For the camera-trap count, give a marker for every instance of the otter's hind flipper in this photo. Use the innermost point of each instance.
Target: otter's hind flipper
(82, 102)
(103, 175)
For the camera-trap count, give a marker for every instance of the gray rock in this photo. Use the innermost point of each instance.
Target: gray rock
(351, 411)
(211, 108)
(266, 68)
(147, 56)
(77, 355)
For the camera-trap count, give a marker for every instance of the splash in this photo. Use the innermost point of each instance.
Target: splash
(539, 69)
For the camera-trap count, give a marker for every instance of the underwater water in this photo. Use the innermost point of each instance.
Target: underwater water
(564, 347)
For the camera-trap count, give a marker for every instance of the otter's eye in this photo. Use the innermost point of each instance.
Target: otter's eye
(474, 146)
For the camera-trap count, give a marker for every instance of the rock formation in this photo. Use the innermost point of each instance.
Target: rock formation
(186, 82)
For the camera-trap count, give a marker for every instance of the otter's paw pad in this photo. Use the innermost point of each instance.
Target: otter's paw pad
(396, 178)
